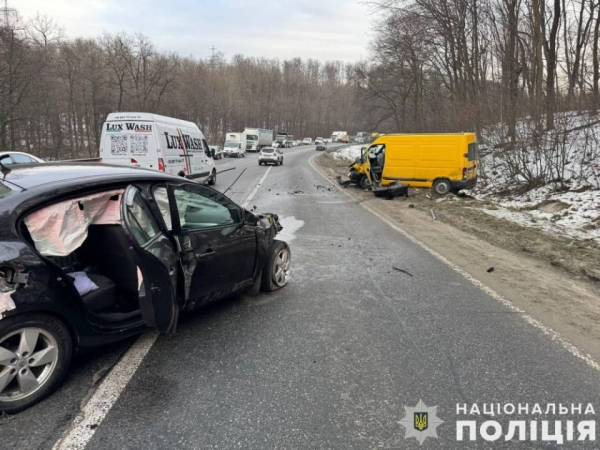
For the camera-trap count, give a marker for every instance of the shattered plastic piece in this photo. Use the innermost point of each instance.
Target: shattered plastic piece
(432, 213)
(6, 302)
(490, 270)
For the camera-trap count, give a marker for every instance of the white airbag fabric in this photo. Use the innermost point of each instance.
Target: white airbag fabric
(61, 228)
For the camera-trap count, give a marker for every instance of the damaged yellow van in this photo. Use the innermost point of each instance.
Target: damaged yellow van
(444, 162)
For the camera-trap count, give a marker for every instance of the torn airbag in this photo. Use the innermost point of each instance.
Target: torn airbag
(61, 228)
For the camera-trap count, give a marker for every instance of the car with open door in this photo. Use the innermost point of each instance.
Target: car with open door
(91, 254)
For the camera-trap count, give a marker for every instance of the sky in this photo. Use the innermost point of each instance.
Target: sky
(318, 29)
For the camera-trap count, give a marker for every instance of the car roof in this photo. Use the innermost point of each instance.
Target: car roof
(30, 176)
(37, 184)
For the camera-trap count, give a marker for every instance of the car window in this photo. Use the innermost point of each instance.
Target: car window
(473, 153)
(21, 159)
(5, 160)
(140, 221)
(198, 207)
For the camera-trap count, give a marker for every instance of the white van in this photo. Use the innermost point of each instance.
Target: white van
(156, 142)
(235, 145)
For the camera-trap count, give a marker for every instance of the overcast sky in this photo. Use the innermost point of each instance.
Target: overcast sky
(320, 29)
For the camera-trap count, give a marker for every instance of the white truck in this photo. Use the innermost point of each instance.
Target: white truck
(336, 136)
(173, 146)
(235, 145)
(257, 138)
(284, 140)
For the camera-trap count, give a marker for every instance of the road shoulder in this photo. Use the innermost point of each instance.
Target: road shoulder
(559, 300)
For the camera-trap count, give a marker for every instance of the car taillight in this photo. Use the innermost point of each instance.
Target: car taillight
(161, 164)
(133, 161)
(464, 173)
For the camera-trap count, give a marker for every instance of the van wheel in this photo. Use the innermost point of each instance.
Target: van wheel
(276, 272)
(364, 182)
(35, 352)
(442, 186)
(213, 178)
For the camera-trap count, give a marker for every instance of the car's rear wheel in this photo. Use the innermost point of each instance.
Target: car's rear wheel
(276, 272)
(35, 352)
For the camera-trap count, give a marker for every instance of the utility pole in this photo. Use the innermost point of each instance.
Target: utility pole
(9, 17)
(213, 52)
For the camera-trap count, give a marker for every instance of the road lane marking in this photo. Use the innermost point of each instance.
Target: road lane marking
(554, 336)
(256, 188)
(81, 431)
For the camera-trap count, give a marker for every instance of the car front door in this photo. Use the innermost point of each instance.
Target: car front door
(157, 258)
(218, 249)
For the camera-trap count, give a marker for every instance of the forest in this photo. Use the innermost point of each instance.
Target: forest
(434, 65)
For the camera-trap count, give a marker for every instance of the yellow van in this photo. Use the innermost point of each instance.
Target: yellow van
(443, 162)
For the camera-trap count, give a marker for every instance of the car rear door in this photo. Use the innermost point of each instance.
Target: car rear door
(157, 259)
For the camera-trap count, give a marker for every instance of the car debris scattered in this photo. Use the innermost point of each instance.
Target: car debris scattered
(432, 214)
(490, 270)
(403, 271)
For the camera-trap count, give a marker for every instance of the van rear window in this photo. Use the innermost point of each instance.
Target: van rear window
(473, 154)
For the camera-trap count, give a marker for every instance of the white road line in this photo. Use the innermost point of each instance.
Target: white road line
(85, 424)
(526, 317)
(256, 188)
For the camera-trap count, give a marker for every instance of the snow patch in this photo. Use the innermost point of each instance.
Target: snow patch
(348, 153)
(290, 225)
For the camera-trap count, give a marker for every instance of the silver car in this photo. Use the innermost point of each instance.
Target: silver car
(9, 158)
(270, 155)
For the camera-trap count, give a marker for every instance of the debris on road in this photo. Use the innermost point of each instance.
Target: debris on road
(490, 270)
(403, 271)
(432, 214)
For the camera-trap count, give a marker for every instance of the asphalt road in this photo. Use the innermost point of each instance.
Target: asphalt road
(331, 360)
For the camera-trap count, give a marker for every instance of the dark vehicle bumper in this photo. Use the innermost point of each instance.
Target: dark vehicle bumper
(396, 189)
(466, 184)
(355, 176)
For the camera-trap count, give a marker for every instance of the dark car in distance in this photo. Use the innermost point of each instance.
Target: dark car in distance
(91, 254)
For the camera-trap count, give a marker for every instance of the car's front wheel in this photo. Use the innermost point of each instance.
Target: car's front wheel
(35, 352)
(276, 272)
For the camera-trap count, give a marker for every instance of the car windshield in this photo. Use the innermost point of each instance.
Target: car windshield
(231, 144)
(267, 150)
(280, 138)
(252, 137)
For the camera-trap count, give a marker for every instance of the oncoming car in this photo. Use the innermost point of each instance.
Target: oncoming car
(270, 155)
(91, 254)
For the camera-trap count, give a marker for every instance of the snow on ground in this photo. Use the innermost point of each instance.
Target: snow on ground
(552, 184)
(348, 153)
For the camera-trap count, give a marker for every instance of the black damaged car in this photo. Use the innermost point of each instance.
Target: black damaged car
(91, 254)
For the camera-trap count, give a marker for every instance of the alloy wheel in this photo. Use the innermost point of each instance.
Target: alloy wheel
(28, 358)
(281, 268)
